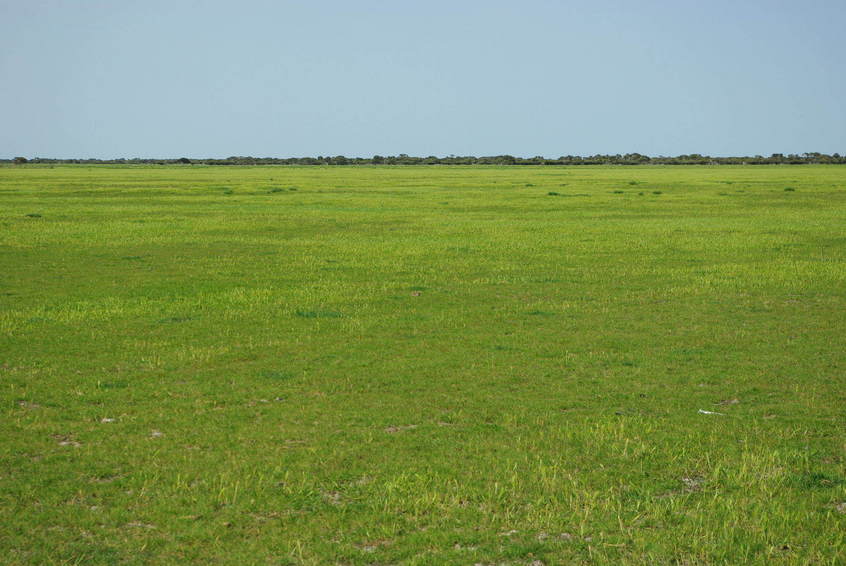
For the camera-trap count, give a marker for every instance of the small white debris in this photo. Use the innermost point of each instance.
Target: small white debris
(332, 497)
(692, 484)
(107, 420)
(156, 434)
(704, 412)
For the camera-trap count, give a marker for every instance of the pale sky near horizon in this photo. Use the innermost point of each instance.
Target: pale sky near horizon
(108, 79)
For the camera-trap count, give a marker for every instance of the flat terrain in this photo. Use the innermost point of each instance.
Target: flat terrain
(423, 365)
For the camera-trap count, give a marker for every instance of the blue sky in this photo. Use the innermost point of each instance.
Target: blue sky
(282, 78)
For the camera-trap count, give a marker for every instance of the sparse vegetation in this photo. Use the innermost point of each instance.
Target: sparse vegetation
(811, 158)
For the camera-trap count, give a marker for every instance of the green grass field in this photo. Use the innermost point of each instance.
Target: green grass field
(423, 365)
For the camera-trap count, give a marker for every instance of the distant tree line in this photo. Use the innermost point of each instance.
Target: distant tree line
(403, 159)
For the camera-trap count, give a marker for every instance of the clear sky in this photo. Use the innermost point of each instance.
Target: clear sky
(175, 78)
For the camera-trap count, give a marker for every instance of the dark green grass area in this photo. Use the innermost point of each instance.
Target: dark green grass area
(433, 365)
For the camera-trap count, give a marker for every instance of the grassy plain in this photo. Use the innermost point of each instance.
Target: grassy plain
(377, 365)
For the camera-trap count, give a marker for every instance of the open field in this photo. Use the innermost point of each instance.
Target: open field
(423, 365)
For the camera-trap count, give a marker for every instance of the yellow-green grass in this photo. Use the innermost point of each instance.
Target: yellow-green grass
(423, 365)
